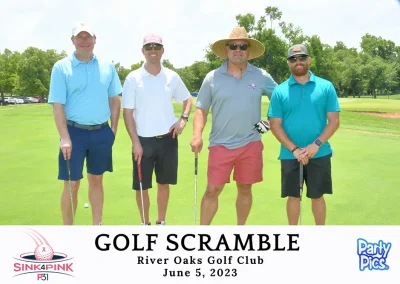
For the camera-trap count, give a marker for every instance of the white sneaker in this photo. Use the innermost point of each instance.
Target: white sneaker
(148, 224)
(162, 223)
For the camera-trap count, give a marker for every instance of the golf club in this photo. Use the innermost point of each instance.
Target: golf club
(70, 191)
(301, 185)
(139, 166)
(195, 186)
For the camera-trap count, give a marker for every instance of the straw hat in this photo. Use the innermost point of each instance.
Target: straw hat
(256, 48)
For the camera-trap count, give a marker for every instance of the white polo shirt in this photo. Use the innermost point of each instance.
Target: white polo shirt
(151, 98)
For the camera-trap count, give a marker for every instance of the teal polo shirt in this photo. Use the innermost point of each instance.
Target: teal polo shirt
(84, 89)
(303, 110)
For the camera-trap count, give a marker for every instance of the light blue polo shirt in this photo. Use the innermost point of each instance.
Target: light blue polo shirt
(303, 110)
(84, 89)
(235, 104)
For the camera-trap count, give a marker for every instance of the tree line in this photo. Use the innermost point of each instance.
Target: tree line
(372, 71)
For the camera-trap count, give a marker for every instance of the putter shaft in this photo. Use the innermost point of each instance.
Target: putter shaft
(70, 191)
(195, 187)
(301, 186)
(139, 167)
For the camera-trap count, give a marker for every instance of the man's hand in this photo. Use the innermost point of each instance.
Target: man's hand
(197, 144)
(262, 126)
(137, 151)
(178, 127)
(301, 155)
(66, 147)
(312, 149)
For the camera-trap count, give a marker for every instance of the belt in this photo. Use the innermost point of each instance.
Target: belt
(87, 127)
(163, 136)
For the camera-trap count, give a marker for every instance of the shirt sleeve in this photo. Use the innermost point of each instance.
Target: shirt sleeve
(115, 87)
(333, 101)
(269, 84)
(58, 86)
(204, 97)
(181, 93)
(129, 93)
(275, 106)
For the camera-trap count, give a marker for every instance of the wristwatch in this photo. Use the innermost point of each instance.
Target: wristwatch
(318, 142)
(185, 116)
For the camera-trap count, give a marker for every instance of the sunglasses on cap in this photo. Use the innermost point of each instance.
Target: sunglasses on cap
(149, 46)
(301, 58)
(234, 46)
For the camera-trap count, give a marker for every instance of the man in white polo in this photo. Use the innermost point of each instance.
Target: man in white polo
(152, 126)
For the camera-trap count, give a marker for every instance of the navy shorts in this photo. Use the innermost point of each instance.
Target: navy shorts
(317, 177)
(159, 155)
(93, 145)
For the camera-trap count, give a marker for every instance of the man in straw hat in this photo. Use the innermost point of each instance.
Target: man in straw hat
(234, 91)
(299, 110)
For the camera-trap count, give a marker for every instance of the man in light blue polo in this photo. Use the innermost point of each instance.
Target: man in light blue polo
(304, 114)
(84, 92)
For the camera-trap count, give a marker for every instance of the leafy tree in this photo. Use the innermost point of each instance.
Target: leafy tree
(8, 72)
(273, 13)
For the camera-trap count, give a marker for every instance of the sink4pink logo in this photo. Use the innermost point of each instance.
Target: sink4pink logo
(43, 261)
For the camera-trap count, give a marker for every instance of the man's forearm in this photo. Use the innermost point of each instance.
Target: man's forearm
(187, 106)
(115, 108)
(61, 121)
(329, 130)
(282, 137)
(199, 121)
(130, 125)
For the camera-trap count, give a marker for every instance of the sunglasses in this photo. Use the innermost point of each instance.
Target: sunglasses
(234, 46)
(149, 46)
(301, 58)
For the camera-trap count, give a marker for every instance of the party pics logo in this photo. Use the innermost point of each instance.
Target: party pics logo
(43, 261)
(373, 256)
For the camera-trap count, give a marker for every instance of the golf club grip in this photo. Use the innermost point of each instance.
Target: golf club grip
(69, 169)
(195, 165)
(301, 175)
(139, 168)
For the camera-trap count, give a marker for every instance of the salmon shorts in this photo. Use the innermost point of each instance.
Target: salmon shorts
(247, 163)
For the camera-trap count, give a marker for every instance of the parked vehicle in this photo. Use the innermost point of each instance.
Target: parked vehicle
(32, 100)
(24, 99)
(10, 100)
(18, 100)
(39, 98)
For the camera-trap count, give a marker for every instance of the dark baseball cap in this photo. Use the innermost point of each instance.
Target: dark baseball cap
(297, 49)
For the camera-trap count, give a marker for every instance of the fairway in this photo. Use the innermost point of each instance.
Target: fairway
(365, 171)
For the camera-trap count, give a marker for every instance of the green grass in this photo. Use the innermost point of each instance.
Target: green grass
(384, 97)
(365, 174)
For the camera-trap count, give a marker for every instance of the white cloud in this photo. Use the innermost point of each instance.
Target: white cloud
(188, 27)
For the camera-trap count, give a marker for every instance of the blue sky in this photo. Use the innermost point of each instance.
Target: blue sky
(187, 26)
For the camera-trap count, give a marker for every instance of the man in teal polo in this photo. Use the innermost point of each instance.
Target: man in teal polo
(84, 92)
(304, 114)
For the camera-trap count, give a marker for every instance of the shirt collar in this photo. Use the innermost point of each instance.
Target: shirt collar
(224, 67)
(145, 73)
(293, 81)
(75, 61)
